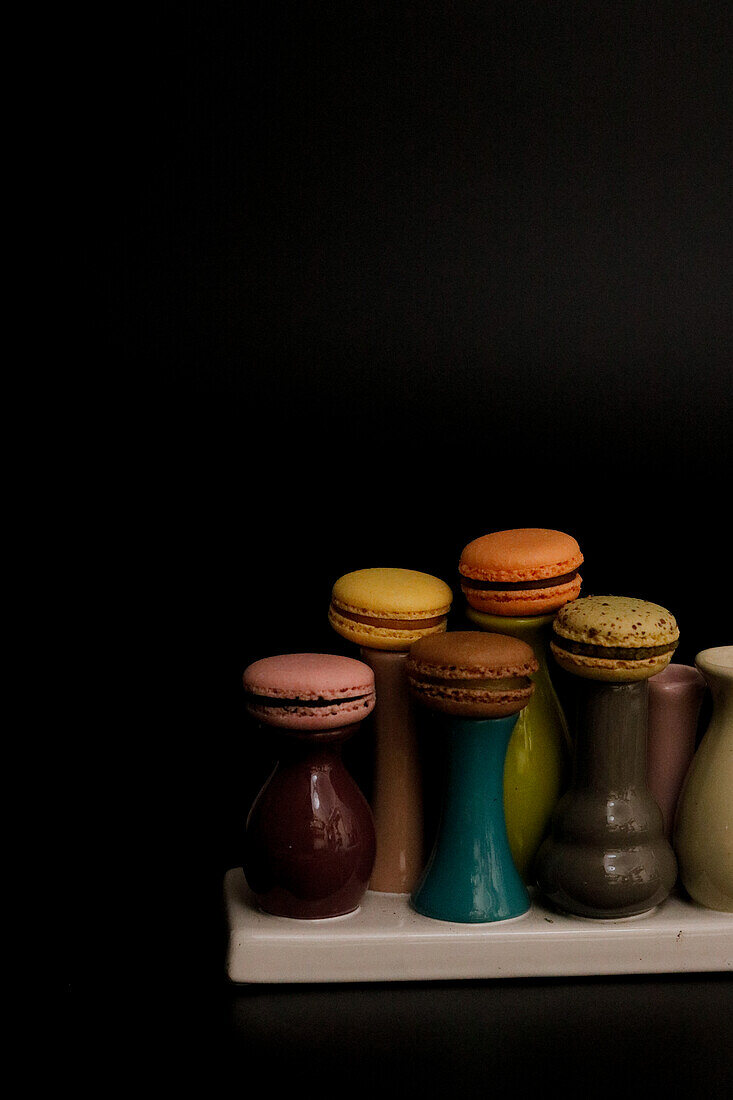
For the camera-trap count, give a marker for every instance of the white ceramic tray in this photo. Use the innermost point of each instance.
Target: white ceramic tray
(386, 940)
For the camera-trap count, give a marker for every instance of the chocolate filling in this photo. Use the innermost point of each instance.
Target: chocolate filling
(613, 652)
(274, 701)
(391, 624)
(504, 683)
(508, 586)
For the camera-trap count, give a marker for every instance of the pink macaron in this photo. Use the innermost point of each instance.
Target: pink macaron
(309, 691)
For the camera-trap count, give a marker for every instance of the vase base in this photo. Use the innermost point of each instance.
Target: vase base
(321, 920)
(464, 920)
(608, 920)
(390, 893)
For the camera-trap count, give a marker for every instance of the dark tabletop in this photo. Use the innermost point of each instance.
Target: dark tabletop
(596, 1035)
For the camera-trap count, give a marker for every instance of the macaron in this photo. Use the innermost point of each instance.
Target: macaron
(389, 608)
(524, 571)
(309, 691)
(471, 673)
(613, 638)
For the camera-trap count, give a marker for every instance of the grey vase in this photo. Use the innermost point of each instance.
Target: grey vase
(607, 855)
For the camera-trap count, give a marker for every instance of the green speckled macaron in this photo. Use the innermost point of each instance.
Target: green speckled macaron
(613, 638)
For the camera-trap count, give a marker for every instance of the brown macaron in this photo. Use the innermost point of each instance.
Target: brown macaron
(471, 673)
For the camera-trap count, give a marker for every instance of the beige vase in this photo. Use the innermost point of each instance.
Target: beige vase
(703, 830)
(397, 795)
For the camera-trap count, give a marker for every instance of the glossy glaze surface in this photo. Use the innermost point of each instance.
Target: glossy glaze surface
(470, 876)
(607, 856)
(309, 841)
(703, 831)
(538, 758)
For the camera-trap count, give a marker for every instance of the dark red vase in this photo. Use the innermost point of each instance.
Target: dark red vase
(310, 841)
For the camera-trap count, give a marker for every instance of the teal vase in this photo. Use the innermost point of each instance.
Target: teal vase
(470, 876)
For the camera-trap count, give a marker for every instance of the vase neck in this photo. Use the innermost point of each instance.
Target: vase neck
(318, 755)
(393, 715)
(611, 735)
(532, 629)
(716, 665)
(476, 752)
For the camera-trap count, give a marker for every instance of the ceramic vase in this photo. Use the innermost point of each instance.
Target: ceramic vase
(606, 856)
(538, 758)
(309, 840)
(675, 698)
(397, 793)
(470, 876)
(703, 829)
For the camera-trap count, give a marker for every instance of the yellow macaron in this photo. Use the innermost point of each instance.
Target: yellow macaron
(389, 609)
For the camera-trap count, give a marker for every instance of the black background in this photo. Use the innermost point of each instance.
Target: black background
(375, 280)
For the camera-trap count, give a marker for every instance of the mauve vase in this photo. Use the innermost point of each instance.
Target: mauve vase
(606, 855)
(309, 841)
(703, 829)
(675, 698)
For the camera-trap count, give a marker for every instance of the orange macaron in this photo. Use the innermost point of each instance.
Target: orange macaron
(524, 571)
